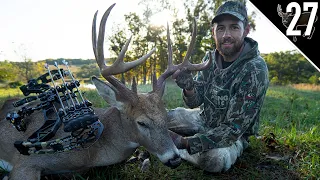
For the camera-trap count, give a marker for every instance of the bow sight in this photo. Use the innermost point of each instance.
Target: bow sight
(60, 104)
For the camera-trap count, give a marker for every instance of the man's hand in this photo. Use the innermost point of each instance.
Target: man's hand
(179, 141)
(184, 79)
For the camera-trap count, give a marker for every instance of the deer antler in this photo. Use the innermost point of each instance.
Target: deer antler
(118, 66)
(158, 85)
(279, 10)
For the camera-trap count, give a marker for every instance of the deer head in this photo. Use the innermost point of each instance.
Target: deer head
(286, 17)
(145, 111)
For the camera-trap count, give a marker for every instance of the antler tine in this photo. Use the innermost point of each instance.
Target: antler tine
(158, 85)
(118, 66)
(192, 42)
(123, 67)
(279, 10)
(186, 63)
(98, 47)
(94, 35)
(122, 54)
(169, 47)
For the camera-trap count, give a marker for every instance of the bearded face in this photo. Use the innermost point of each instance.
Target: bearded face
(229, 34)
(229, 46)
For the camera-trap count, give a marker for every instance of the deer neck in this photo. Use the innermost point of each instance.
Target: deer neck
(118, 134)
(129, 129)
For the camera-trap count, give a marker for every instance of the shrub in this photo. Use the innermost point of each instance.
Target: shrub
(314, 79)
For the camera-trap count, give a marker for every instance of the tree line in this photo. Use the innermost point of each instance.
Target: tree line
(284, 67)
(289, 67)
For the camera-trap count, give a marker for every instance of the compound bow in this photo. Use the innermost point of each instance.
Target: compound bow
(60, 104)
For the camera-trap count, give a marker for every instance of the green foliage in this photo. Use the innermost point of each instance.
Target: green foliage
(25, 69)
(8, 72)
(15, 84)
(284, 67)
(87, 71)
(290, 67)
(117, 40)
(179, 44)
(290, 115)
(275, 81)
(20, 71)
(293, 116)
(146, 36)
(7, 93)
(37, 69)
(314, 79)
(203, 11)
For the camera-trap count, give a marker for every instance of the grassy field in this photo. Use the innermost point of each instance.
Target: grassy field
(288, 146)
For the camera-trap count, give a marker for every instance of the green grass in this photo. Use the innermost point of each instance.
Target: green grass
(288, 146)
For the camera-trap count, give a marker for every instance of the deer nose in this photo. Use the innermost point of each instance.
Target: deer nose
(174, 162)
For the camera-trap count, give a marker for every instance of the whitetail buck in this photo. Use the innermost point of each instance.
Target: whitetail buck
(133, 120)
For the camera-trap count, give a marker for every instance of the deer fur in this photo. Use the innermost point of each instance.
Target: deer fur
(121, 136)
(133, 120)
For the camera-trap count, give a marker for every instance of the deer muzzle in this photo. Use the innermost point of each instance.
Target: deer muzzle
(174, 162)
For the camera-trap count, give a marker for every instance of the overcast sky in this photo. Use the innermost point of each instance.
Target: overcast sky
(62, 28)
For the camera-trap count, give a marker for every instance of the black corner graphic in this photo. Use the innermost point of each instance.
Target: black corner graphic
(292, 21)
(297, 20)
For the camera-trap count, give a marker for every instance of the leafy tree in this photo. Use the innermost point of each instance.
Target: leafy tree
(314, 79)
(70, 61)
(8, 72)
(139, 44)
(87, 71)
(290, 67)
(179, 43)
(26, 65)
(145, 37)
(158, 62)
(37, 69)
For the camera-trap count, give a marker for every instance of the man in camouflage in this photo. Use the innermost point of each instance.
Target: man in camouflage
(224, 100)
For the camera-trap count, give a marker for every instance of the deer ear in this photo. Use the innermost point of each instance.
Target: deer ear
(107, 91)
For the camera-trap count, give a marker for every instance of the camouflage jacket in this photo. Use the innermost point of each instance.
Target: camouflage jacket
(230, 99)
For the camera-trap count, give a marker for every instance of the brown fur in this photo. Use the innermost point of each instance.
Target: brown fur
(121, 136)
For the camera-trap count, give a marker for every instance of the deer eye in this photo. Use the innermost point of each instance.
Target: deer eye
(142, 124)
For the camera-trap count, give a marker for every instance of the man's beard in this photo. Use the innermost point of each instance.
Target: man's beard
(229, 52)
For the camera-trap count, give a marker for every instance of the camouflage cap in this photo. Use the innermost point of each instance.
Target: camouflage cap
(235, 8)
